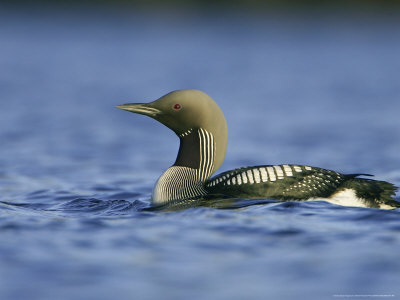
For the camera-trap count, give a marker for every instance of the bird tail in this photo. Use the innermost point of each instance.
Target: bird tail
(374, 192)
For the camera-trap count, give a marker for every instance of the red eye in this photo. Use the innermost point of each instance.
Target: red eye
(177, 106)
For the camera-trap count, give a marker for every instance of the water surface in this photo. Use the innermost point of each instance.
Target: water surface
(75, 173)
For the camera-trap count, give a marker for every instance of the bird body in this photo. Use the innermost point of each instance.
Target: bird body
(201, 127)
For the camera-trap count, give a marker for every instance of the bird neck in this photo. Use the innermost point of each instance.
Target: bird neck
(198, 149)
(201, 153)
(189, 150)
(195, 163)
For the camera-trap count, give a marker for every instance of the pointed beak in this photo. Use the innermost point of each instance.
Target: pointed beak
(140, 108)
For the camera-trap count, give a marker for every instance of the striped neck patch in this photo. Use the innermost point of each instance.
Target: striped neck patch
(181, 182)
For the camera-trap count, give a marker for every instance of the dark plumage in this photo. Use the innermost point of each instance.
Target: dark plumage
(201, 127)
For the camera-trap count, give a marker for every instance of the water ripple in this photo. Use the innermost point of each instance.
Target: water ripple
(95, 206)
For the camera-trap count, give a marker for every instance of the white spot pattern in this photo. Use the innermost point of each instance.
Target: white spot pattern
(250, 176)
(279, 172)
(297, 168)
(288, 170)
(186, 133)
(244, 177)
(264, 174)
(256, 175)
(239, 179)
(271, 173)
(308, 184)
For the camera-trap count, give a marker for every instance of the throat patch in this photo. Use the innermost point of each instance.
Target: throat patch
(189, 151)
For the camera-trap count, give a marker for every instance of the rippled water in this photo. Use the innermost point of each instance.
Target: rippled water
(76, 173)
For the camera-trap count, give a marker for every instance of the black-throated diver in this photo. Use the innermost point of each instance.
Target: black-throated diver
(201, 127)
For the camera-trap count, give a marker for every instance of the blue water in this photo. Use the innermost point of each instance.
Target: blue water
(75, 173)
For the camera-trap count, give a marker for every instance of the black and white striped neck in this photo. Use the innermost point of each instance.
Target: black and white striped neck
(194, 164)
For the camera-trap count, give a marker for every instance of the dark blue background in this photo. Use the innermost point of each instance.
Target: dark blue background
(318, 88)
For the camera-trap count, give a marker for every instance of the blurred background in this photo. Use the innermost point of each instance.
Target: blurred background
(316, 75)
(303, 82)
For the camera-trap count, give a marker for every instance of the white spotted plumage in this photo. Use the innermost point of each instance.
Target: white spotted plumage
(288, 170)
(256, 175)
(250, 176)
(259, 174)
(264, 174)
(297, 168)
(279, 172)
(271, 173)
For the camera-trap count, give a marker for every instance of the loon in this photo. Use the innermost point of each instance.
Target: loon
(201, 127)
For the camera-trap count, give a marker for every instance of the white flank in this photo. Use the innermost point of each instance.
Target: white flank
(348, 197)
(385, 206)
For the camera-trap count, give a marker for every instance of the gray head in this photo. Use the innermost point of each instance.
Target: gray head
(184, 111)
